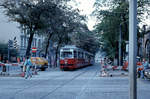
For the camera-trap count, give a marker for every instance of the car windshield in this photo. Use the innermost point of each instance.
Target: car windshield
(66, 55)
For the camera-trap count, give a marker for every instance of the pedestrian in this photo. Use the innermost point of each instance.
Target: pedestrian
(139, 68)
(145, 65)
(105, 64)
(28, 65)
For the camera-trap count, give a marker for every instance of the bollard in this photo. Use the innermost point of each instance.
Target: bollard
(4, 69)
(23, 71)
(22, 74)
(34, 70)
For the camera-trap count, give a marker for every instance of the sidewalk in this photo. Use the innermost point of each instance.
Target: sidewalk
(53, 69)
(118, 73)
(113, 73)
(17, 72)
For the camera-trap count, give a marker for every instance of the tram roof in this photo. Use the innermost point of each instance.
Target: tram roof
(75, 48)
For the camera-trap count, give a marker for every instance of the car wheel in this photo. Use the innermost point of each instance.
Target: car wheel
(42, 69)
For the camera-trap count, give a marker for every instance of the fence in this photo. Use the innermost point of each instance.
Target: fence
(10, 69)
(14, 69)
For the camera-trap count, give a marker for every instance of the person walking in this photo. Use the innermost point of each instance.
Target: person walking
(145, 65)
(27, 65)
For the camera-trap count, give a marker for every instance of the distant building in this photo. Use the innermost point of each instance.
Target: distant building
(37, 43)
(99, 57)
(146, 44)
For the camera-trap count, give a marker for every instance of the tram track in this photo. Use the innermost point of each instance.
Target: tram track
(36, 84)
(85, 85)
(65, 83)
(33, 84)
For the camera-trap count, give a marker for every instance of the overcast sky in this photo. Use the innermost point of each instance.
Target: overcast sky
(8, 30)
(86, 8)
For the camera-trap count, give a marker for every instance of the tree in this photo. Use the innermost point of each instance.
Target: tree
(32, 15)
(110, 19)
(85, 39)
(64, 30)
(65, 21)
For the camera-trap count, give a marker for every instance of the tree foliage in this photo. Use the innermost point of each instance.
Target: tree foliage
(111, 14)
(110, 21)
(34, 15)
(85, 39)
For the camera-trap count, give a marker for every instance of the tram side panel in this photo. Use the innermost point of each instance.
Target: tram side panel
(73, 63)
(68, 64)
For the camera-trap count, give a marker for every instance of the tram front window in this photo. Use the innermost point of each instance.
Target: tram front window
(66, 55)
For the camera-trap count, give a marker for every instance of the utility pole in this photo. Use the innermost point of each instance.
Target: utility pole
(132, 48)
(120, 40)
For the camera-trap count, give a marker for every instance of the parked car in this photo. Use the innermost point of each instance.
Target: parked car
(147, 73)
(40, 63)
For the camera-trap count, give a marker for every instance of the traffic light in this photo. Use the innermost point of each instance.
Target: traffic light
(15, 43)
(10, 43)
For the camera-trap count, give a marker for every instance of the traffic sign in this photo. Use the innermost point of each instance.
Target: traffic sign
(34, 49)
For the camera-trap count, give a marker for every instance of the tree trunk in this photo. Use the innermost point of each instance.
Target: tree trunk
(125, 35)
(57, 51)
(29, 43)
(47, 46)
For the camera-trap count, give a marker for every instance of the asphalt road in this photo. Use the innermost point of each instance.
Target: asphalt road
(83, 83)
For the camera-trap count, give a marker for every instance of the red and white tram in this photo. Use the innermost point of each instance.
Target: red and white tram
(72, 57)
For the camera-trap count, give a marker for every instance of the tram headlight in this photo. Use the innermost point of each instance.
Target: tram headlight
(65, 61)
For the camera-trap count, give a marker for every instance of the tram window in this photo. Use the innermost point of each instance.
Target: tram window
(80, 55)
(75, 54)
(66, 55)
(85, 56)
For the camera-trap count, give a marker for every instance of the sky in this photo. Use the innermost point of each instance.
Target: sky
(8, 30)
(86, 8)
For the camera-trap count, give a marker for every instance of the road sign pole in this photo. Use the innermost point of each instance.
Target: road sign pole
(8, 52)
(9, 45)
(132, 48)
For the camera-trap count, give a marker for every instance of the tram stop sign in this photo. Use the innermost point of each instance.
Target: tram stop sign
(34, 49)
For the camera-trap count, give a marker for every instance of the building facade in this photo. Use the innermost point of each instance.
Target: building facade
(36, 43)
(147, 44)
(144, 47)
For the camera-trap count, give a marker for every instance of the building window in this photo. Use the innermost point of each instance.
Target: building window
(21, 41)
(24, 42)
(27, 40)
(35, 42)
(39, 43)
